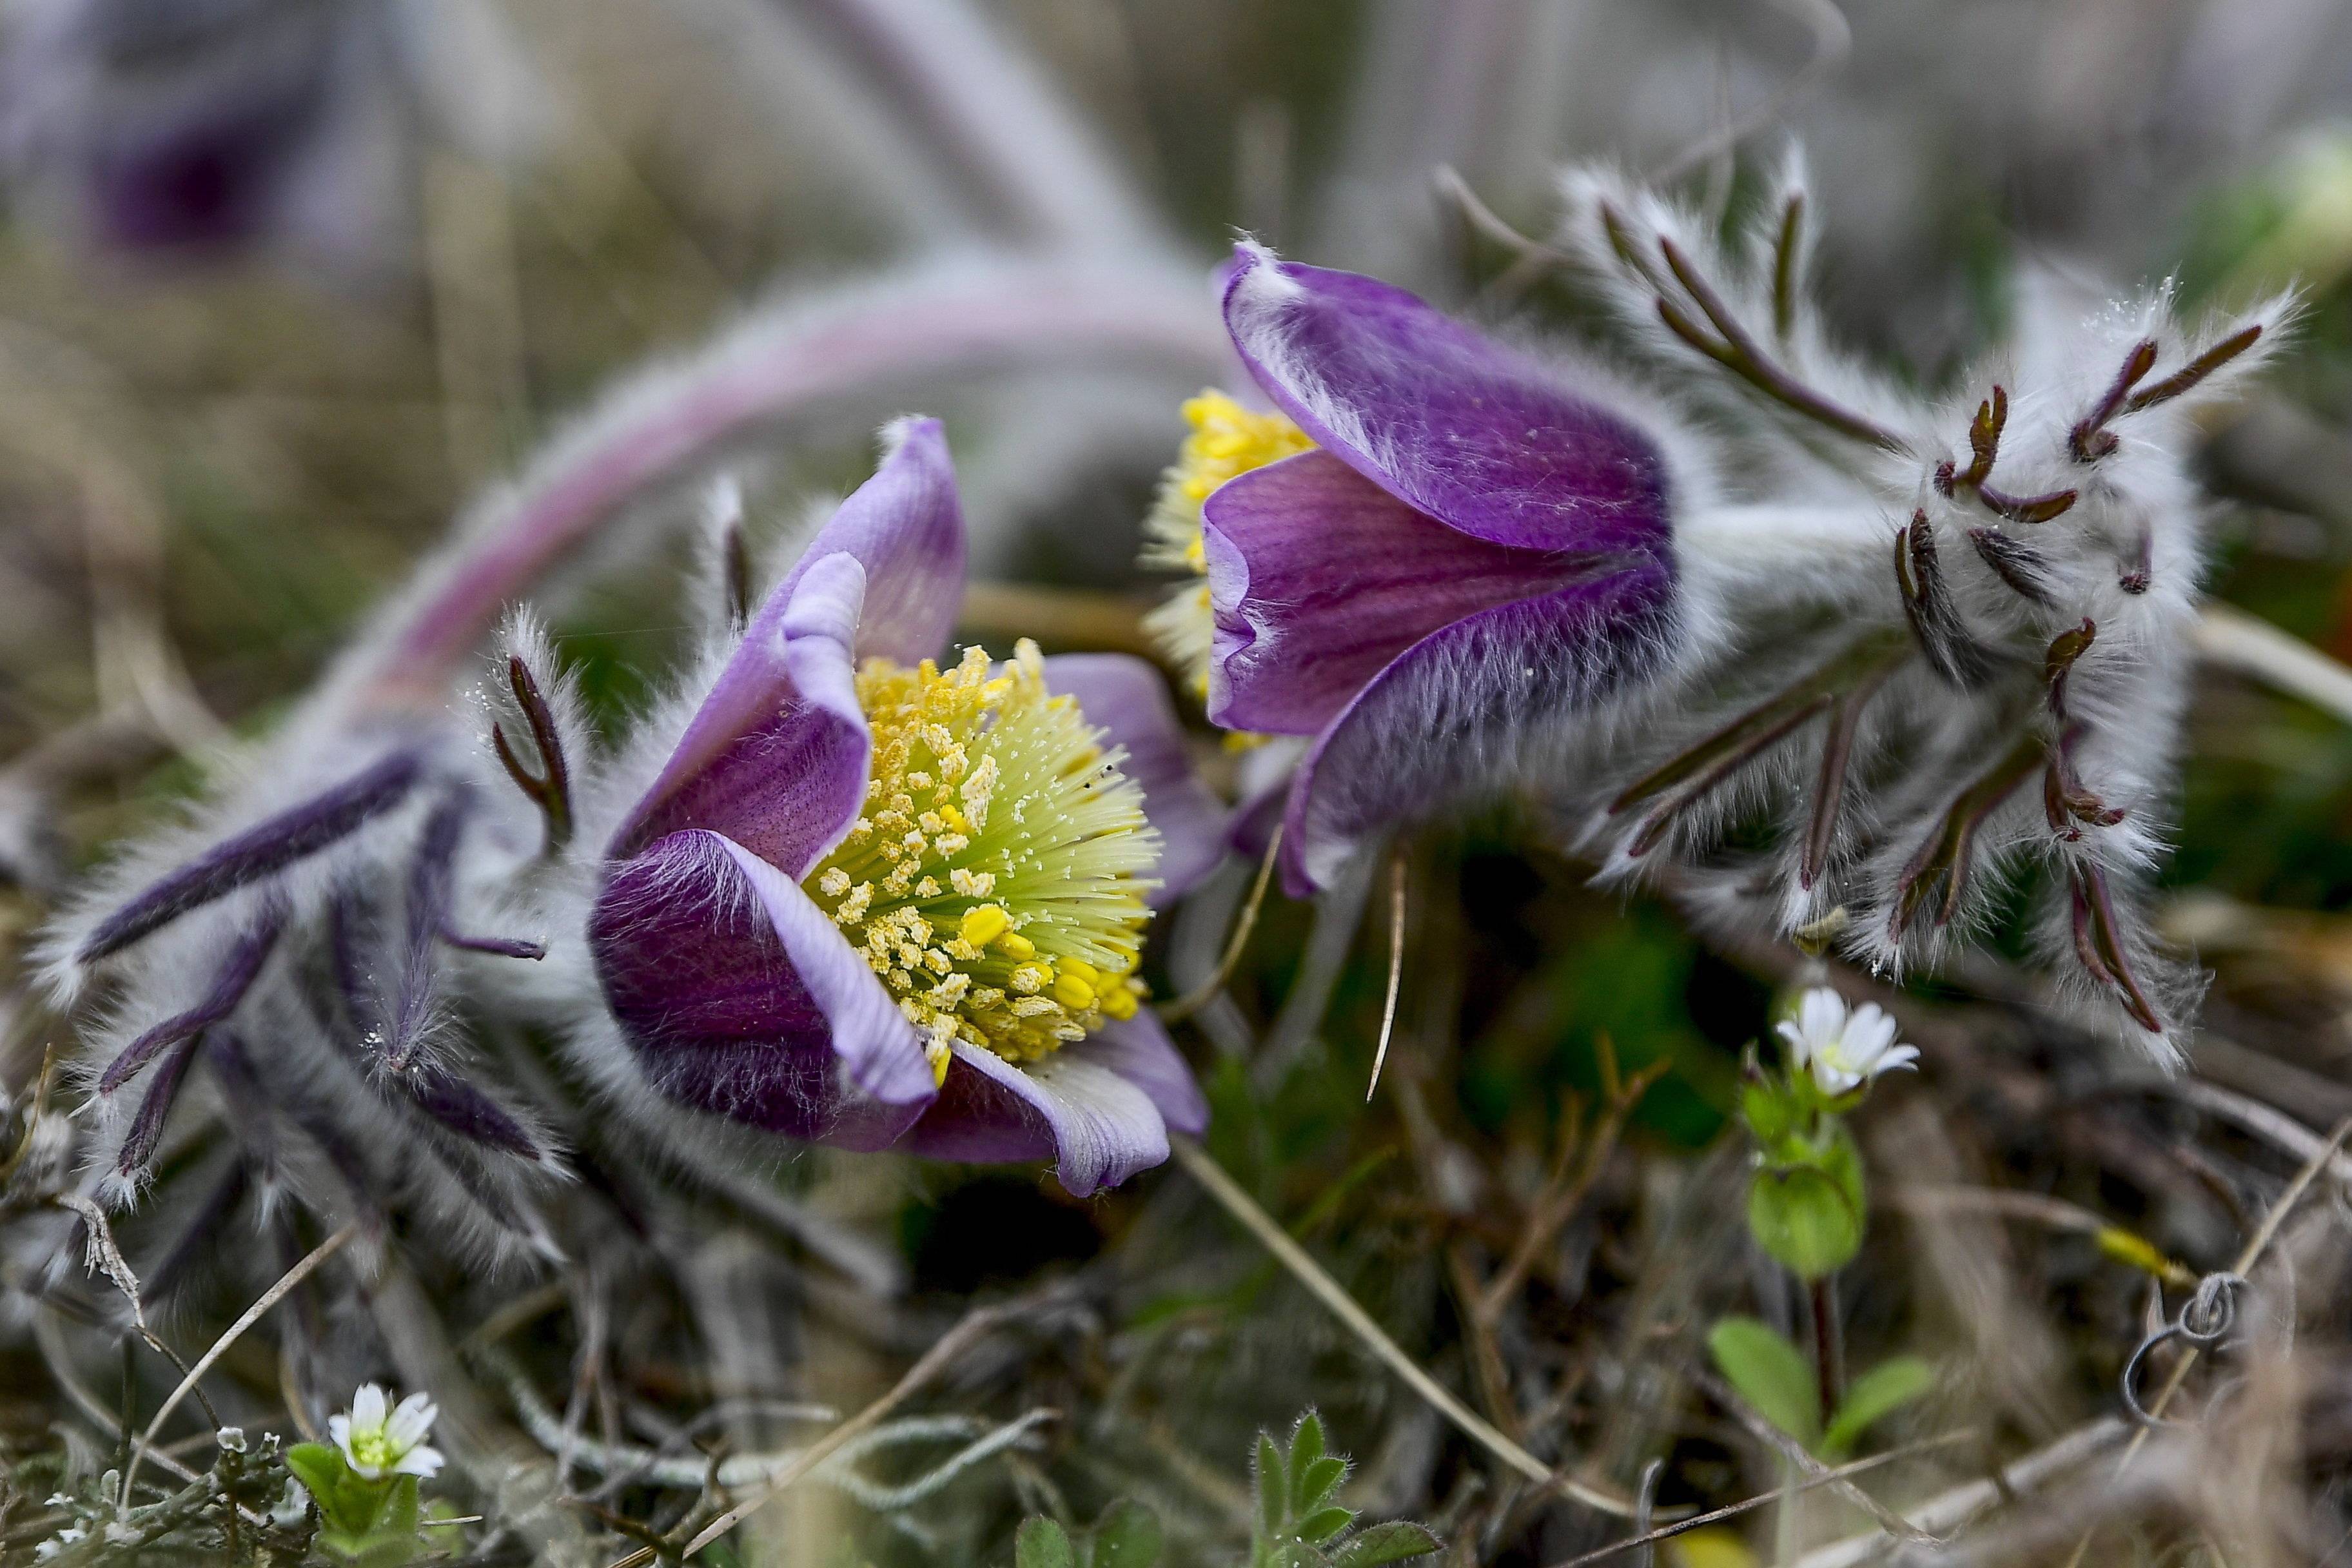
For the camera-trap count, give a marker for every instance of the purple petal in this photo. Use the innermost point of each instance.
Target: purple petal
(267, 847)
(776, 758)
(741, 998)
(1127, 697)
(1452, 422)
(1459, 708)
(1320, 578)
(904, 525)
(1100, 1108)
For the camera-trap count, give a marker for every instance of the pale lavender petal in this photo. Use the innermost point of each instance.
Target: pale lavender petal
(1491, 441)
(1100, 1108)
(1456, 711)
(776, 758)
(1139, 1051)
(1127, 698)
(727, 1014)
(904, 525)
(1319, 579)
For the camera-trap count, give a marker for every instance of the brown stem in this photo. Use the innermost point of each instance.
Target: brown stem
(552, 789)
(1947, 853)
(1828, 1347)
(2091, 439)
(2094, 899)
(1829, 787)
(2196, 370)
(1784, 265)
(1739, 353)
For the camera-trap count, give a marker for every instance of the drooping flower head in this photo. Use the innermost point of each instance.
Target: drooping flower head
(379, 1440)
(871, 902)
(1479, 547)
(1842, 1049)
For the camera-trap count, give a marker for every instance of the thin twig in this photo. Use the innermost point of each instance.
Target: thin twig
(252, 1315)
(1733, 1511)
(1563, 1203)
(975, 1325)
(1334, 1296)
(1201, 995)
(1396, 974)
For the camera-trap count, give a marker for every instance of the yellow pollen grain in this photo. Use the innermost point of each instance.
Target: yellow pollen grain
(996, 884)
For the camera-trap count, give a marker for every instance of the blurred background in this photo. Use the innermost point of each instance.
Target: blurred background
(285, 284)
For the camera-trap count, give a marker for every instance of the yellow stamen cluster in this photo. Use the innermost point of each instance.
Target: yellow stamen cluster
(997, 878)
(1226, 440)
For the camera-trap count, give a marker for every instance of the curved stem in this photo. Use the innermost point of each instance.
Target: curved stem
(779, 365)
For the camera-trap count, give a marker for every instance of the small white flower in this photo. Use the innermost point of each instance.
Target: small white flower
(1843, 1050)
(376, 1445)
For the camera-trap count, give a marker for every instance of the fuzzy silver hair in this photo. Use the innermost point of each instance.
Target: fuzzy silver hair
(1933, 646)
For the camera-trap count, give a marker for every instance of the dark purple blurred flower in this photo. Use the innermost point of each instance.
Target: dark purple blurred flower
(193, 127)
(870, 904)
(1481, 548)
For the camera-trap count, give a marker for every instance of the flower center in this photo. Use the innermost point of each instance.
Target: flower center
(1226, 440)
(996, 879)
(374, 1448)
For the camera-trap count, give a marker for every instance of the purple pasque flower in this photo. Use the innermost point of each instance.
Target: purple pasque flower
(868, 902)
(1481, 545)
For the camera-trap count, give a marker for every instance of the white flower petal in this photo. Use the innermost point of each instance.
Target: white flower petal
(412, 1421)
(367, 1408)
(421, 1461)
(1821, 1015)
(1868, 1033)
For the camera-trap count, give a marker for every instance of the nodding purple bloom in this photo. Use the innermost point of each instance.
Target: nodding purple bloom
(867, 902)
(1481, 545)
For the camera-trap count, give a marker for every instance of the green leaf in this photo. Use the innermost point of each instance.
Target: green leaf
(1767, 1109)
(1324, 1523)
(1880, 1392)
(321, 1468)
(1385, 1543)
(1306, 1447)
(1126, 1536)
(1041, 1543)
(1311, 1487)
(1809, 1217)
(1770, 1374)
(1272, 1510)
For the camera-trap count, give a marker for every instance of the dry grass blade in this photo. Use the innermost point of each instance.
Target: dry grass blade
(1201, 995)
(252, 1315)
(1303, 1267)
(1396, 975)
(975, 1324)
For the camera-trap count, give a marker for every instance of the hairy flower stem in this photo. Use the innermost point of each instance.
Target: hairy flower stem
(924, 329)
